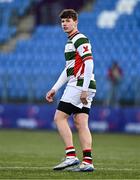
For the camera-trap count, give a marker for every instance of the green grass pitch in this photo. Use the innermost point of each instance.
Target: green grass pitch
(32, 154)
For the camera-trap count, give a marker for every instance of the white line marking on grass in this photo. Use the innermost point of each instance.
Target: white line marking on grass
(117, 169)
(46, 167)
(24, 167)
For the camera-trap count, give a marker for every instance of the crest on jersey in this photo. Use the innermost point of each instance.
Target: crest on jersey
(85, 49)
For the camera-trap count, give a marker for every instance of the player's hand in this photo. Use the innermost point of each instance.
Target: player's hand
(50, 95)
(83, 97)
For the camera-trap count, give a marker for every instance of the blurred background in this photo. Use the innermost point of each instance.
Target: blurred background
(32, 58)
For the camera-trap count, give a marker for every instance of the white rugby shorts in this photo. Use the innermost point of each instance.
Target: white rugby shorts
(72, 95)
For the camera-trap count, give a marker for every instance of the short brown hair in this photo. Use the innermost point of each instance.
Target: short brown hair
(69, 13)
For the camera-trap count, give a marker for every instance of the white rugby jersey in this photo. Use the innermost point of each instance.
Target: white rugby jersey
(78, 50)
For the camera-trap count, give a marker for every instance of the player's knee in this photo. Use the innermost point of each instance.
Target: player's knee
(56, 119)
(76, 125)
(59, 119)
(80, 126)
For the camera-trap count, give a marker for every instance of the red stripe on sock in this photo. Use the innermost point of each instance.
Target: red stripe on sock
(87, 160)
(70, 147)
(87, 150)
(71, 154)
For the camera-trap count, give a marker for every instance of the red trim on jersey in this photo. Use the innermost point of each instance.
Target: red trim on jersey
(71, 36)
(88, 58)
(78, 64)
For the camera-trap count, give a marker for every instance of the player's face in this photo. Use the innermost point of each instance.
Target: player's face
(68, 25)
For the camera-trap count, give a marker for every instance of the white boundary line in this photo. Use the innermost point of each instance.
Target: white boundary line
(45, 167)
(24, 167)
(117, 169)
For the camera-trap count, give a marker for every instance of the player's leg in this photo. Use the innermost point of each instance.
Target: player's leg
(81, 123)
(61, 121)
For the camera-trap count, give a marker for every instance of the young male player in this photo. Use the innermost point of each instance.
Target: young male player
(77, 97)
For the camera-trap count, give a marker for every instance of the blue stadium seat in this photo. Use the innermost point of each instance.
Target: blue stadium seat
(40, 59)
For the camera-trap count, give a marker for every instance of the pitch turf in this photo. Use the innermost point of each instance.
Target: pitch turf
(32, 154)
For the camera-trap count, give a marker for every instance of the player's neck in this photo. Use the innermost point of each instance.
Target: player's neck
(72, 33)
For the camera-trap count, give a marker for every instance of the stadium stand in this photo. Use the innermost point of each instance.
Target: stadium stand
(33, 66)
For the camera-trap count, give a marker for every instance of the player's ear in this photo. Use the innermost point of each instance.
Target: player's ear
(76, 21)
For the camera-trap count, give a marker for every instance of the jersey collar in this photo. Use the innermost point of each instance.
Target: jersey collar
(72, 35)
